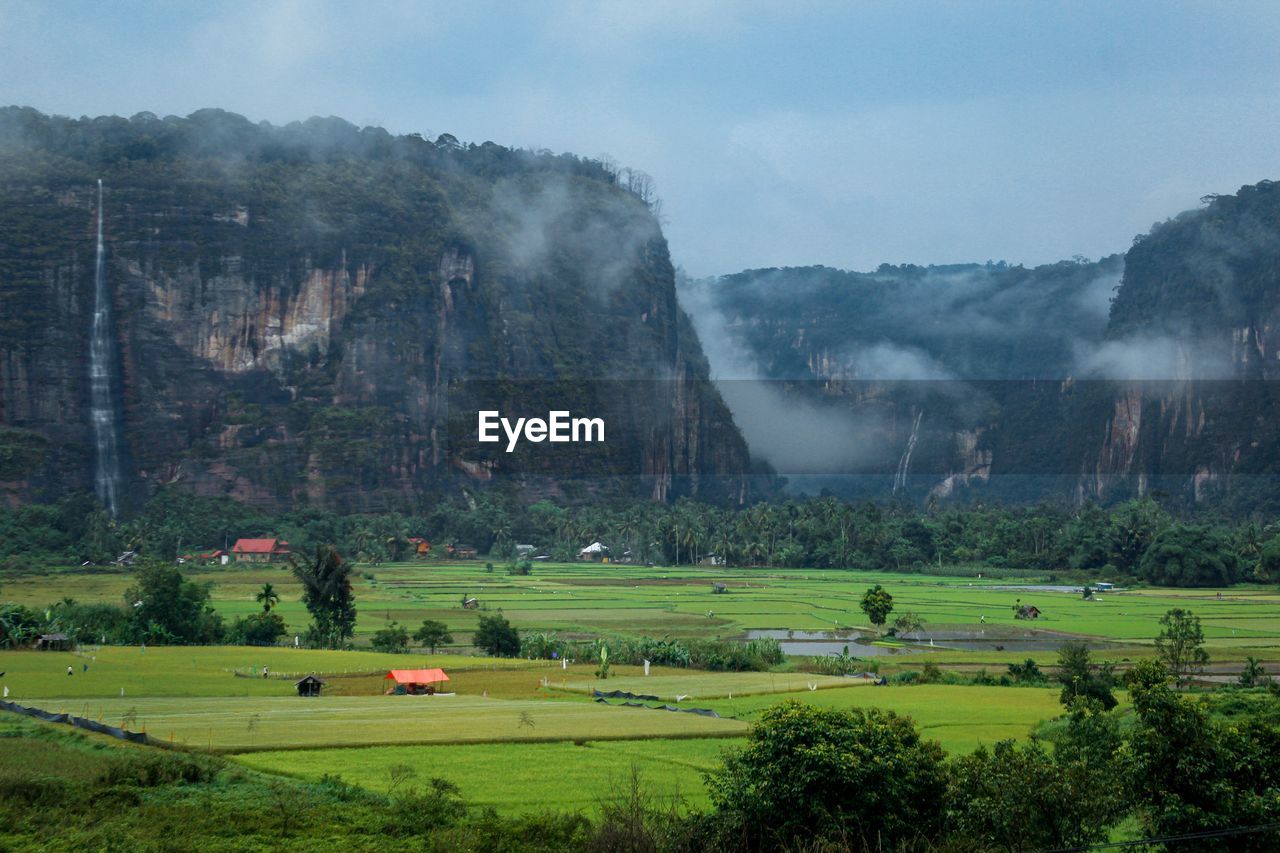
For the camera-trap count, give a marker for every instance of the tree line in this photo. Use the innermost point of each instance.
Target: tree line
(1135, 540)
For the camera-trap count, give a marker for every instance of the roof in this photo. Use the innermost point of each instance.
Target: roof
(260, 546)
(594, 548)
(54, 636)
(310, 678)
(416, 676)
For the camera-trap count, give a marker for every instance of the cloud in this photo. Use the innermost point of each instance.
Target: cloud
(1152, 357)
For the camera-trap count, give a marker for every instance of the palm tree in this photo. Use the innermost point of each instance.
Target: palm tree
(267, 597)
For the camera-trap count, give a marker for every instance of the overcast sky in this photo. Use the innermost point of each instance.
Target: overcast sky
(788, 133)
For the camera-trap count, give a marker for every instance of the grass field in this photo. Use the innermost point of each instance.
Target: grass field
(524, 735)
(237, 724)
(519, 777)
(588, 599)
(202, 670)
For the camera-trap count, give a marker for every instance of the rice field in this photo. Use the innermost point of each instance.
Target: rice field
(589, 599)
(525, 735)
(239, 724)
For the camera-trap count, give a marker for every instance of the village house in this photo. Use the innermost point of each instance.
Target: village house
(421, 547)
(596, 552)
(462, 552)
(260, 550)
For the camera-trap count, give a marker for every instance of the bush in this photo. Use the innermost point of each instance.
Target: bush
(393, 639)
(496, 637)
(810, 776)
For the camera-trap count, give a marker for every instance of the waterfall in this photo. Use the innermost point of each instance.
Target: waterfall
(102, 400)
(900, 478)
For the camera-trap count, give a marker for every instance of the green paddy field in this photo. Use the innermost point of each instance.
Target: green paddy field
(525, 735)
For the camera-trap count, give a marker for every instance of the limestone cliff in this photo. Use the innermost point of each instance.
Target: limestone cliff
(294, 308)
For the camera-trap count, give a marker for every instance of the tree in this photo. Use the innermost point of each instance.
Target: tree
(393, 639)
(267, 597)
(1019, 798)
(908, 622)
(168, 608)
(1180, 645)
(877, 604)
(1080, 677)
(855, 777)
(327, 593)
(1189, 774)
(496, 637)
(1254, 673)
(433, 634)
(1189, 556)
(258, 629)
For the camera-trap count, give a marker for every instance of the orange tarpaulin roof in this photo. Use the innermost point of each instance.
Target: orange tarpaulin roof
(416, 676)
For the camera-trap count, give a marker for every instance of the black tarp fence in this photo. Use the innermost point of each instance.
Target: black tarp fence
(78, 722)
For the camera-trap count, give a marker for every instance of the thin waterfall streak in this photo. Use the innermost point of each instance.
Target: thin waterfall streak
(904, 463)
(102, 413)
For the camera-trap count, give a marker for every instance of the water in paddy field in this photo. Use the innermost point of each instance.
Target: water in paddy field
(102, 382)
(819, 643)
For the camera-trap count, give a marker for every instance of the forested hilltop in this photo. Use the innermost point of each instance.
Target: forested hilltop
(1148, 372)
(289, 312)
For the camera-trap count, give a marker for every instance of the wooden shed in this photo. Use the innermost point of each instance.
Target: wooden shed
(53, 643)
(309, 686)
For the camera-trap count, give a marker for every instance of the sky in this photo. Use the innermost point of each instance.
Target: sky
(779, 134)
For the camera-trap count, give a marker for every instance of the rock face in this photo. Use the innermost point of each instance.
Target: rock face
(296, 309)
(1155, 371)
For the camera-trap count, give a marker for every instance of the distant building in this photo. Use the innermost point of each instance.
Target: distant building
(712, 559)
(260, 550)
(525, 552)
(1026, 611)
(596, 552)
(421, 547)
(462, 552)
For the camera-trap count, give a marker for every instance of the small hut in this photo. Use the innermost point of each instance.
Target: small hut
(309, 686)
(53, 643)
(415, 682)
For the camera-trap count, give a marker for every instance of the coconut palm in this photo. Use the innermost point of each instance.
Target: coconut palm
(267, 597)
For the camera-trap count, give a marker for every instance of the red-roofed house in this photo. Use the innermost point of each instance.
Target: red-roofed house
(415, 681)
(260, 550)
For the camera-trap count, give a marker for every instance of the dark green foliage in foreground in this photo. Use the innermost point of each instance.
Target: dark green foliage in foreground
(1190, 773)
(496, 637)
(864, 776)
